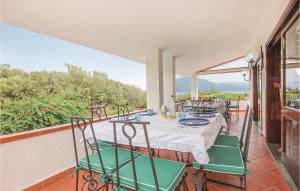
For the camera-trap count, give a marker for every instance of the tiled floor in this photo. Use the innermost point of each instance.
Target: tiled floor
(265, 174)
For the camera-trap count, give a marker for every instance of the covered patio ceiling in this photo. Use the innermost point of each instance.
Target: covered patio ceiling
(201, 33)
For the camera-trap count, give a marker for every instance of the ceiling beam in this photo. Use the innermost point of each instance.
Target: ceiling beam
(222, 71)
(221, 64)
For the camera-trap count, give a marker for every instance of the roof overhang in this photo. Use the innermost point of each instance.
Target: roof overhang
(203, 32)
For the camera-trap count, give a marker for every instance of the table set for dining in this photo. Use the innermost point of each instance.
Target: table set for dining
(182, 134)
(118, 147)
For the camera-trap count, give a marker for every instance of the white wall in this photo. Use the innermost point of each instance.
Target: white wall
(28, 161)
(272, 13)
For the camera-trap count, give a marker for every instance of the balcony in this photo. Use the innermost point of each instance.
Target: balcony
(173, 38)
(265, 173)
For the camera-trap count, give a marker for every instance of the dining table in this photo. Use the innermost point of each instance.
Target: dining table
(167, 134)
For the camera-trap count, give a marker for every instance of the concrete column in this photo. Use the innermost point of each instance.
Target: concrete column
(169, 81)
(154, 75)
(194, 86)
(174, 78)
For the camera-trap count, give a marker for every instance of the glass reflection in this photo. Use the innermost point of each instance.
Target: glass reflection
(292, 66)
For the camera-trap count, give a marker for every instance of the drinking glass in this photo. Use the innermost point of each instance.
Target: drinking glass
(182, 115)
(190, 111)
(138, 117)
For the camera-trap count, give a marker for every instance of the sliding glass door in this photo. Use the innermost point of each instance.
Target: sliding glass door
(291, 98)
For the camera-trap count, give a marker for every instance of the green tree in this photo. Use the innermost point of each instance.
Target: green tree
(40, 99)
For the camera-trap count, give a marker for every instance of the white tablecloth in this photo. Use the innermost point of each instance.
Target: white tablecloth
(167, 134)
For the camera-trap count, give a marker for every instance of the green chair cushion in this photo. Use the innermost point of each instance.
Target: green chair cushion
(227, 140)
(108, 158)
(169, 173)
(234, 106)
(224, 160)
(102, 144)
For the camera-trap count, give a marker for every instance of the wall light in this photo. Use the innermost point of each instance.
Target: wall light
(253, 58)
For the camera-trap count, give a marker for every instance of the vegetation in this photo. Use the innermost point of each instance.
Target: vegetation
(40, 99)
(292, 93)
(206, 95)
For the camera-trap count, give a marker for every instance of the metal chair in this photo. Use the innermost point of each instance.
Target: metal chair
(145, 172)
(231, 140)
(180, 106)
(122, 109)
(226, 160)
(101, 162)
(192, 104)
(235, 108)
(82, 124)
(100, 112)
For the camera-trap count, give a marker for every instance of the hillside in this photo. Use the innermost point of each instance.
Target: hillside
(183, 84)
(40, 99)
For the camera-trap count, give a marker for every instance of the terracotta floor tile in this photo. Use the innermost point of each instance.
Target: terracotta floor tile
(281, 187)
(264, 179)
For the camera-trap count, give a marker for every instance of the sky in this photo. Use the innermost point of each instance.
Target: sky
(220, 78)
(227, 77)
(32, 51)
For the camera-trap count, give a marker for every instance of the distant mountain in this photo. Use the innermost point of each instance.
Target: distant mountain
(183, 84)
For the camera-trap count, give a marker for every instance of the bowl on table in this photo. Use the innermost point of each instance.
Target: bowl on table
(149, 112)
(204, 114)
(124, 118)
(194, 122)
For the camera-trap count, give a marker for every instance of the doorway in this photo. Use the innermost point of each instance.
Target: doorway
(273, 119)
(283, 90)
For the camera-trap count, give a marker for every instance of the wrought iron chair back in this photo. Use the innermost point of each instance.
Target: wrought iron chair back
(224, 110)
(244, 127)
(238, 101)
(194, 101)
(229, 101)
(227, 113)
(99, 111)
(82, 124)
(195, 104)
(245, 149)
(122, 109)
(180, 106)
(133, 127)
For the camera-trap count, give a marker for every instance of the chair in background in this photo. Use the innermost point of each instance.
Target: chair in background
(235, 108)
(122, 109)
(101, 163)
(180, 106)
(99, 111)
(224, 111)
(145, 173)
(231, 140)
(195, 105)
(226, 160)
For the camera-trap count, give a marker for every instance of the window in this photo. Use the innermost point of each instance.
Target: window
(291, 65)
